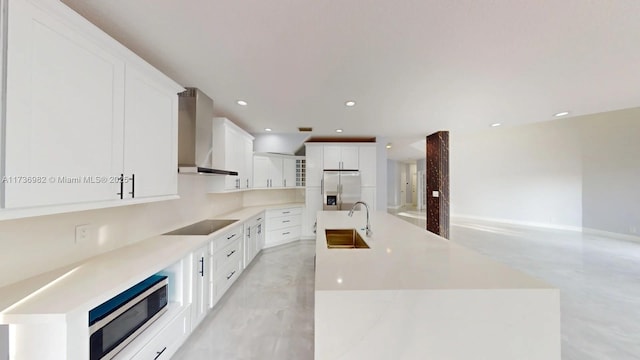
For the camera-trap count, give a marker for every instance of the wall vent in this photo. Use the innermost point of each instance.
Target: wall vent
(305, 129)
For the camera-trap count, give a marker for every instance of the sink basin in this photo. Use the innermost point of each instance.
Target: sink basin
(205, 227)
(344, 239)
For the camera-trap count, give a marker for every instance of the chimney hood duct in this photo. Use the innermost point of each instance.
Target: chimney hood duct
(195, 134)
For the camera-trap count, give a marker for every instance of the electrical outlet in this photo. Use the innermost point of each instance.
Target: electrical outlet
(82, 232)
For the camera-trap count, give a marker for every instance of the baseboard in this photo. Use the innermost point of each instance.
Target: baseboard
(619, 236)
(288, 242)
(530, 224)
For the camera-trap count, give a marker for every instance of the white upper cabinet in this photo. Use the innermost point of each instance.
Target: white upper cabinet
(340, 157)
(289, 172)
(368, 160)
(261, 166)
(150, 137)
(350, 157)
(230, 147)
(64, 118)
(246, 179)
(80, 111)
(274, 171)
(332, 157)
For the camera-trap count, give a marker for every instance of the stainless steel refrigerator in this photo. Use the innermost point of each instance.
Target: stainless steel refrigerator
(340, 189)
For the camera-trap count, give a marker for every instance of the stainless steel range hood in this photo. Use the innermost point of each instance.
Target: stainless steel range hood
(195, 126)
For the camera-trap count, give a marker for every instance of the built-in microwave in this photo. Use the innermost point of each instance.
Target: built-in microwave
(115, 323)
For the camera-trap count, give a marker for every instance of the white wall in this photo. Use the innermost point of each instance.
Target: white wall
(393, 183)
(575, 172)
(4, 342)
(279, 143)
(611, 171)
(381, 174)
(530, 174)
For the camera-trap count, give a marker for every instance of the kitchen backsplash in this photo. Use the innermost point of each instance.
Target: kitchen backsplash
(36, 245)
(264, 197)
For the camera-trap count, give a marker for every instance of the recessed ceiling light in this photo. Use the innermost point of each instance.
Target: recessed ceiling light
(388, 146)
(495, 124)
(350, 103)
(338, 130)
(267, 129)
(242, 103)
(563, 113)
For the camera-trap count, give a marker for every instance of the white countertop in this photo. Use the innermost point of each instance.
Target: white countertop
(403, 256)
(82, 286)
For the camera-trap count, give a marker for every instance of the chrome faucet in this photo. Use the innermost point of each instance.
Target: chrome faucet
(368, 227)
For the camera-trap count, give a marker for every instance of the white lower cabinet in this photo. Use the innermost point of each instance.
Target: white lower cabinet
(227, 258)
(167, 342)
(199, 305)
(227, 276)
(313, 204)
(283, 226)
(253, 238)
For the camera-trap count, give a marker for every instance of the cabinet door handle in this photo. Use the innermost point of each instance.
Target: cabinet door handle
(231, 253)
(230, 275)
(285, 182)
(286, 233)
(247, 183)
(258, 219)
(159, 353)
(121, 186)
(286, 212)
(286, 221)
(133, 186)
(201, 267)
(230, 236)
(322, 186)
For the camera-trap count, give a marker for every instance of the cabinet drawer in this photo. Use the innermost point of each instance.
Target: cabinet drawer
(275, 237)
(227, 238)
(284, 212)
(258, 218)
(225, 279)
(165, 344)
(223, 257)
(283, 222)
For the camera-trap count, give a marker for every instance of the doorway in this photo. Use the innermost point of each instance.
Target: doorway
(413, 185)
(403, 185)
(422, 185)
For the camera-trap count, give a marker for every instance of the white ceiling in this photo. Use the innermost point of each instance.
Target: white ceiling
(413, 66)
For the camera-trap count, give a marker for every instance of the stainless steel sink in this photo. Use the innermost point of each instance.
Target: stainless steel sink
(344, 239)
(205, 227)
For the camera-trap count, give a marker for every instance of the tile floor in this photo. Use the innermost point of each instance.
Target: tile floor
(268, 313)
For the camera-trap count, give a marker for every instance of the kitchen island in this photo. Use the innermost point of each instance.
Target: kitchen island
(415, 295)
